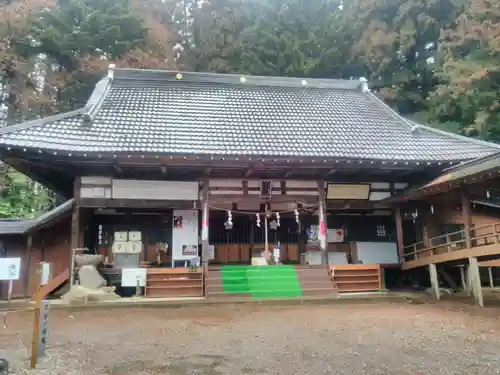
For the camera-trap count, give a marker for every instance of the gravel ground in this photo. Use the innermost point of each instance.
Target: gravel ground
(400, 339)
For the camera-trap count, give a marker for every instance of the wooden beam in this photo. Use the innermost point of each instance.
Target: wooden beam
(490, 263)
(467, 218)
(136, 203)
(399, 234)
(427, 222)
(75, 226)
(323, 245)
(255, 199)
(26, 276)
(204, 225)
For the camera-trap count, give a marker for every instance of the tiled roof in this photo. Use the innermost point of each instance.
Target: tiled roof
(15, 226)
(210, 114)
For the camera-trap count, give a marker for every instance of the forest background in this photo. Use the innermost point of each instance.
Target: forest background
(434, 61)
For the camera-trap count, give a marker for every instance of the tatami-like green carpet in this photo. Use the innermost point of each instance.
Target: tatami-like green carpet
(261, 281)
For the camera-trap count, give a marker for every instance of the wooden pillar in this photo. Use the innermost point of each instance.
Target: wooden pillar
(426, 223)
(399, 234)
(382, 279)
(204, 225)
(27, 269)
(475, 281)
(204, 233)
(462, 278)
(75, 227)
(434, 280)
(322, 223)
(490, 274)
(467, 219)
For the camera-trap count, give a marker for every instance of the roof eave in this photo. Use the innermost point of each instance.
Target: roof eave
(131, 156)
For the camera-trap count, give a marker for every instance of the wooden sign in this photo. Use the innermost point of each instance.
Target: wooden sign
(190, 250)
(348, 191)
(40, 322)
(42, 329)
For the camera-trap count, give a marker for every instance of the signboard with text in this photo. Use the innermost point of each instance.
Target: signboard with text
(10, 268)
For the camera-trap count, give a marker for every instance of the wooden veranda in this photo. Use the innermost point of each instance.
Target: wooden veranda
(480, 242)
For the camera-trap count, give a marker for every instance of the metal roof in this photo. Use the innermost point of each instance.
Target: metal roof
(163, 112)
(18, 226)
(14, 226)
(485, 168)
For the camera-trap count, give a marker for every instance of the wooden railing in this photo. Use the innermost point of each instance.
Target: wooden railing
(479, 236)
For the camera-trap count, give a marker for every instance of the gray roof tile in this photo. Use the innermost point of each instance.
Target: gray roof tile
(211, 114)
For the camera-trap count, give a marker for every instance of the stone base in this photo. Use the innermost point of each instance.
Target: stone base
(79, 293)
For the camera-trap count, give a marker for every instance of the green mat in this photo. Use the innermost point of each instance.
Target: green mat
(261, 281)
(234, 279)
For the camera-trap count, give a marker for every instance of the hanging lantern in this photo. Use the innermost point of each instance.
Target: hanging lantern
(273, 225)
(296, 213)
(432, 209)
(278, 219)
(258, 220)
(488, 195)
(229, 222)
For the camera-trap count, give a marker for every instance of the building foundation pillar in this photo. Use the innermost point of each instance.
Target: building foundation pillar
(434, 281)
(475, 282)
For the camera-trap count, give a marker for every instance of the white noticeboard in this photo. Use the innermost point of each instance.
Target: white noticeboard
(133, 277)
(45, 274)
(10, 268)
(377, 252)
(335, 235)
(185, 235)
(211, 252)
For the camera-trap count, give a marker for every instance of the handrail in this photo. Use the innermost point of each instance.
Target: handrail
(492, 235)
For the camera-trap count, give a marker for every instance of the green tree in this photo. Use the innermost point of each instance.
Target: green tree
(470, 70)
(20, 197)
(396, 43)
(296, 38)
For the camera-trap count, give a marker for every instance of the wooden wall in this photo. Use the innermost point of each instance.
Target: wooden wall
(155, 228)
(448, 218)
(241, 253)
(49, 245)
(481, 216)
(245, 230)
(363, 228)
